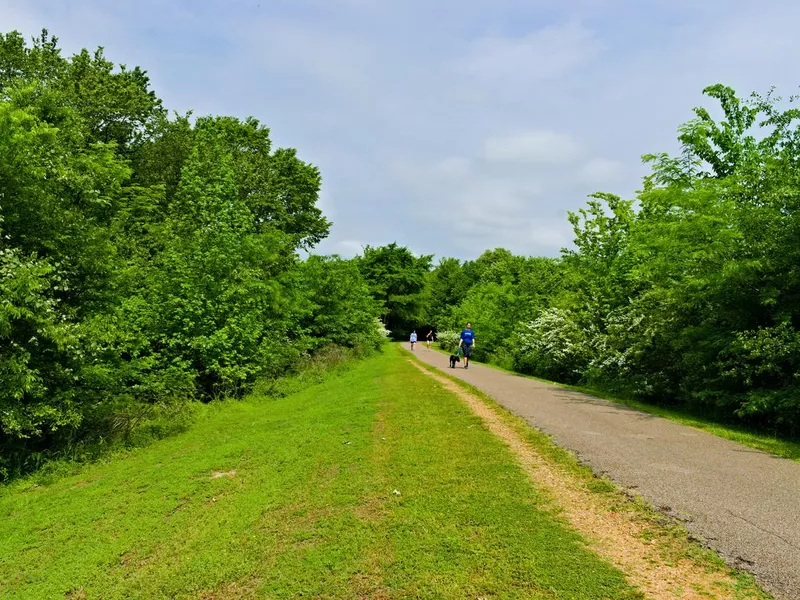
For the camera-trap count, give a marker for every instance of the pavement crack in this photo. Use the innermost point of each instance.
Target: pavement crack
(764, 530)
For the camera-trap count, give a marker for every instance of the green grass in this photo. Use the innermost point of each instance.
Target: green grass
(674, 541)
(776, 445)
(162, 421)
(311, 510)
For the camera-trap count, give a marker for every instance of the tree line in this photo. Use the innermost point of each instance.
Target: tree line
(687, 295)
(147, 259)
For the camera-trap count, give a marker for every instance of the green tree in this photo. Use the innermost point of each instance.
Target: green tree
(397, 279)
(688, 294)
(146, 260)
(446, 286)
(59, 259)
(337, 304)
(505, 291)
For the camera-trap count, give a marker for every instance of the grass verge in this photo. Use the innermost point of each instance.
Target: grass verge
(775, 445)
(372, 483)
(666, 541)
(142, 425)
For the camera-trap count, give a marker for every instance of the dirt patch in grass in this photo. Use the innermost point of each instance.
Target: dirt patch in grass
(365, 587)
(620, 536)
(218, 474)
(232, 591)
(294, 518)
(371, 510)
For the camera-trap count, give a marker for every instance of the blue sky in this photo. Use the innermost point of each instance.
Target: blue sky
(449, 127)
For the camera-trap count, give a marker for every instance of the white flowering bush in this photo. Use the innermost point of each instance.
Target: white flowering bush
(448, 340)
(381, 330)
(630, 353)
(553, 345)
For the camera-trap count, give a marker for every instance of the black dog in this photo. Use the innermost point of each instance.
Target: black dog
(454, 358)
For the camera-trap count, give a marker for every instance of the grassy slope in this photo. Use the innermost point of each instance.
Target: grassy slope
(310, 510)
(778, 446)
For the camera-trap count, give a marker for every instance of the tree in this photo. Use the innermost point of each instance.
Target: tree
(338, 308)
(396, 278)
(58, 260)
(146, 260)
(279, 189)
(688, 295)
(446, 286)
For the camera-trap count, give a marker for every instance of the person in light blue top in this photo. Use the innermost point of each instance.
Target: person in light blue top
(413, 339)
(467, 343)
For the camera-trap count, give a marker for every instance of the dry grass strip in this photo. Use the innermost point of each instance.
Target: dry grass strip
(618, 536)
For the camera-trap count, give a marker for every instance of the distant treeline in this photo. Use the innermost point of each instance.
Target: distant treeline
(687, 295)
(146, 260)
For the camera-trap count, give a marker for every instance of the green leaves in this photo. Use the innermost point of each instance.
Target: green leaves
(338, 306)
(36, 344)
(146, 260)
(396, 279)
(689, 294)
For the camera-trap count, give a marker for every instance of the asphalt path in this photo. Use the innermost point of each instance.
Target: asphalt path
(743, 503)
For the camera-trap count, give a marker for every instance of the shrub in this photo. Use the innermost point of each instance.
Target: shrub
(448, 340)
(553, 346)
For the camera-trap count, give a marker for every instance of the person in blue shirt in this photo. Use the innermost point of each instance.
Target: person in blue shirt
(467, 343)
(413, 339)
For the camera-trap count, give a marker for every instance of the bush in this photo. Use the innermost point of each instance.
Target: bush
(448, 340)
(552, 346)
(309, 370)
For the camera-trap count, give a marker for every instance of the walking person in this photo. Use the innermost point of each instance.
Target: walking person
(413, 339)
(429, 339)
(467, 343)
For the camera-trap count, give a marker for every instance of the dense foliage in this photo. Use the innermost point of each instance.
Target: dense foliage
(688, 295)
(396, 280)
(146, 260)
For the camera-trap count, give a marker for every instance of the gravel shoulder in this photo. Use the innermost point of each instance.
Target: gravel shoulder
(741, 502)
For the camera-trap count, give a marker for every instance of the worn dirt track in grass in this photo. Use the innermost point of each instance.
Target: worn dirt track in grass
(738, 501)
(617, 536)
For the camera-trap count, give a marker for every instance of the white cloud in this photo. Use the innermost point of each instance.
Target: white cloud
(602, 171)
(453, 167)
(543, 54)
(551, 234)
(449, 127)
(299, 49)
(532, 147)
(474, 205)
(761, 37)
(349, 248)
(17, 15)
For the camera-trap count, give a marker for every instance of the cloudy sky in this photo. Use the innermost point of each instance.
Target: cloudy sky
(449, 127)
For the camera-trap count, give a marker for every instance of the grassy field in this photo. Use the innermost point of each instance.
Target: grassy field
(375, 483)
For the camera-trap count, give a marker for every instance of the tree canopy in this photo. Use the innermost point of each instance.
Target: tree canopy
(146, 259)
(686, 295)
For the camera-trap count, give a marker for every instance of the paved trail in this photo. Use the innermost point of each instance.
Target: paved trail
(744, 503)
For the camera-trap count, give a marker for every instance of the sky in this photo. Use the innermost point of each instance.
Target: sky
(447, 127)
